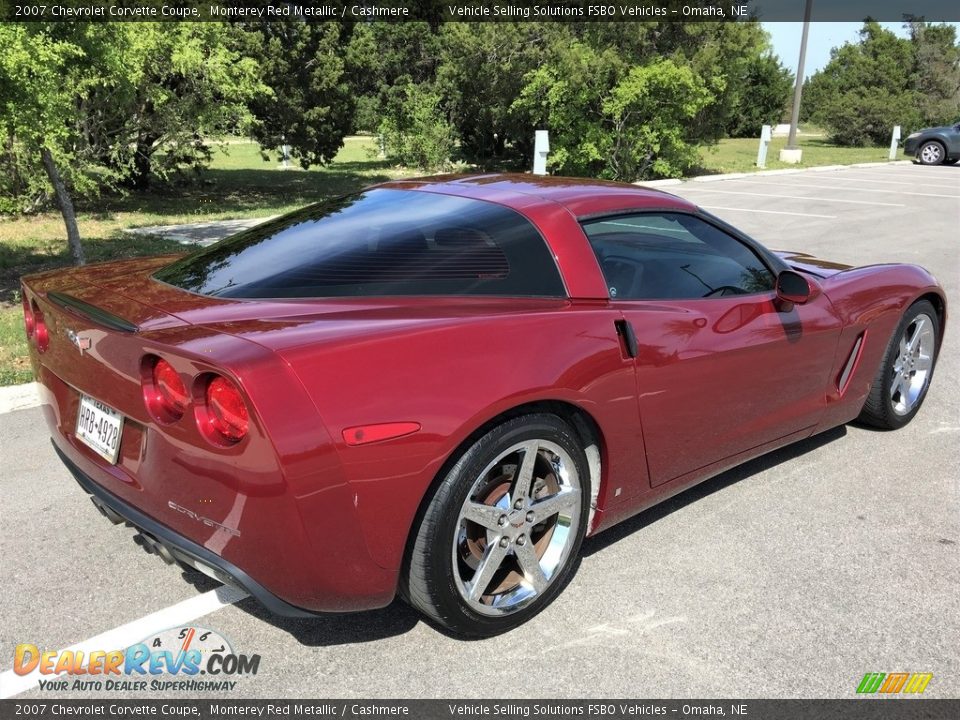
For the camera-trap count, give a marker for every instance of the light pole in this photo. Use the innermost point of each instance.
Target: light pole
(792, 153)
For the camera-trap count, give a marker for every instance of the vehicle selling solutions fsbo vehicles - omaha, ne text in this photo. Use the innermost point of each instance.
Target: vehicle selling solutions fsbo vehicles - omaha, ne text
(438, 387)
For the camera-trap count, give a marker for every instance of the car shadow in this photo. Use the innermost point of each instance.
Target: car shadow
(708, 487)
(326, 629)
(398, 618)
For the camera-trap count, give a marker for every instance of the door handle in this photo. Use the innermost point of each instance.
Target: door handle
(627, 336)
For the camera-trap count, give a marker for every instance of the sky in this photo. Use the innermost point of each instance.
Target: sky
(823, 36)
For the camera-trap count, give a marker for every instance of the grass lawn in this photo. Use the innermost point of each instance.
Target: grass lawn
(740, 154)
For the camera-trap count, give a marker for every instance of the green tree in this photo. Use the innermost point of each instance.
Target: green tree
(482, 70)
(382, 59)
(310, 103)
(936, 72)
(415, 131)
(621, 128)
(882, 81)
(765, 93)
(35, 114)
(647, 112)
(173, 86)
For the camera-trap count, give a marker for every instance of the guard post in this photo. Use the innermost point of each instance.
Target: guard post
(894, 141)
(765, 135)
(541, 148)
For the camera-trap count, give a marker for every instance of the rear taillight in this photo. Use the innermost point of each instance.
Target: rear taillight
(164, 393)
(224, 418)
(40, 334)
(29, 321)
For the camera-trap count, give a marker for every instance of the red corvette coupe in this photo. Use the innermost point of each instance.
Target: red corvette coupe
(438, 387)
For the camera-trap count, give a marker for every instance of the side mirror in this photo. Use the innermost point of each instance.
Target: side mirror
(792, 287)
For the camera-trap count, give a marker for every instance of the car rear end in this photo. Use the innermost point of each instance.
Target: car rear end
(201, 440)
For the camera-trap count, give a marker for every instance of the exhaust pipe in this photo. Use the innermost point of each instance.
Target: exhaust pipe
(107, 512)
(154, 547)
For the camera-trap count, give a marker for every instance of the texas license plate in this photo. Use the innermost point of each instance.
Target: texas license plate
(99, 427)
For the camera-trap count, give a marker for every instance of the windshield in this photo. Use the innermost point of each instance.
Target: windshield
(378, 242)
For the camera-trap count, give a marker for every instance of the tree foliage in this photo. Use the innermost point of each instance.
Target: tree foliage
(415, 131)
(603, 90)
(310, 104)
(35, 120)
(883, 80)
(766, 87)
(36, 113)
(86, 106)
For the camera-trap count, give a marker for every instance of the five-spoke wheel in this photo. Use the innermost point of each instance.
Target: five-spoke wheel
(913, 364)
(516, 527)
(501, 535)
(904, 375)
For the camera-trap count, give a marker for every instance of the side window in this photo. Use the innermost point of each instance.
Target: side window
(672, 256)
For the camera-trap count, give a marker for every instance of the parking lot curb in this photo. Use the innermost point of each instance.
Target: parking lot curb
(18, 397)
(667, 182)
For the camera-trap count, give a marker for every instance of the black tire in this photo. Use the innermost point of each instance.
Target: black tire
(931, 153)
(432, 582)
(881, 409)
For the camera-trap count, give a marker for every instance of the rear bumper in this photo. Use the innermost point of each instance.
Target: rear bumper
(171, 545)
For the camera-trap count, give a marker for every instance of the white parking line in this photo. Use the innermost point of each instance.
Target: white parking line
(799, 197)
(124, 636)
(858, 178)
(817, 186)
(769, 212)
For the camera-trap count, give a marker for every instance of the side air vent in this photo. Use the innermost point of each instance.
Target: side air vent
(91, 312)
(851, 364)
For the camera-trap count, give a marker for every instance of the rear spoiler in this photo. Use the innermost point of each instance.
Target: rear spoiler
(91, 312)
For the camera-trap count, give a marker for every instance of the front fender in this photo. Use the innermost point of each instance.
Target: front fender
(870, 301)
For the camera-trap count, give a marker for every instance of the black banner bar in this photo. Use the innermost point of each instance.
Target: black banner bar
(893, 708)
(473, 10)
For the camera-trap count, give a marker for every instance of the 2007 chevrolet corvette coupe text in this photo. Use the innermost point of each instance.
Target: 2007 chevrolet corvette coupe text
(438, 387)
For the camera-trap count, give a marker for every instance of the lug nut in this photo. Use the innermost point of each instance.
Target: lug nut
(502, 520)
(518, 504)
(504, 542)
(531, 517)
(522, 540)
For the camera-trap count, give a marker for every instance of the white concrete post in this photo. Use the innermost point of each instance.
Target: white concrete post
(894, 141)
(765, 135)
(541, 148)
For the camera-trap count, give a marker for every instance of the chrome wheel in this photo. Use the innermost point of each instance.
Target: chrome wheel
(517, 527)
(931, 154)
(912, 366)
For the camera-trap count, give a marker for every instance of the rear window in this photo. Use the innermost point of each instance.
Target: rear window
(379, 242)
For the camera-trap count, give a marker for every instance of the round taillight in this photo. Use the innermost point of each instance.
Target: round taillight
(40, 333)
(29, 321)
(164, 393)
(170, 387)
(226, 414)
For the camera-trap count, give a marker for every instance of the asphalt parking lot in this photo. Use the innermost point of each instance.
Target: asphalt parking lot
(791, 576)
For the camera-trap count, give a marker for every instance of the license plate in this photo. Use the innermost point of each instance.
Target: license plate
(99, 427)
